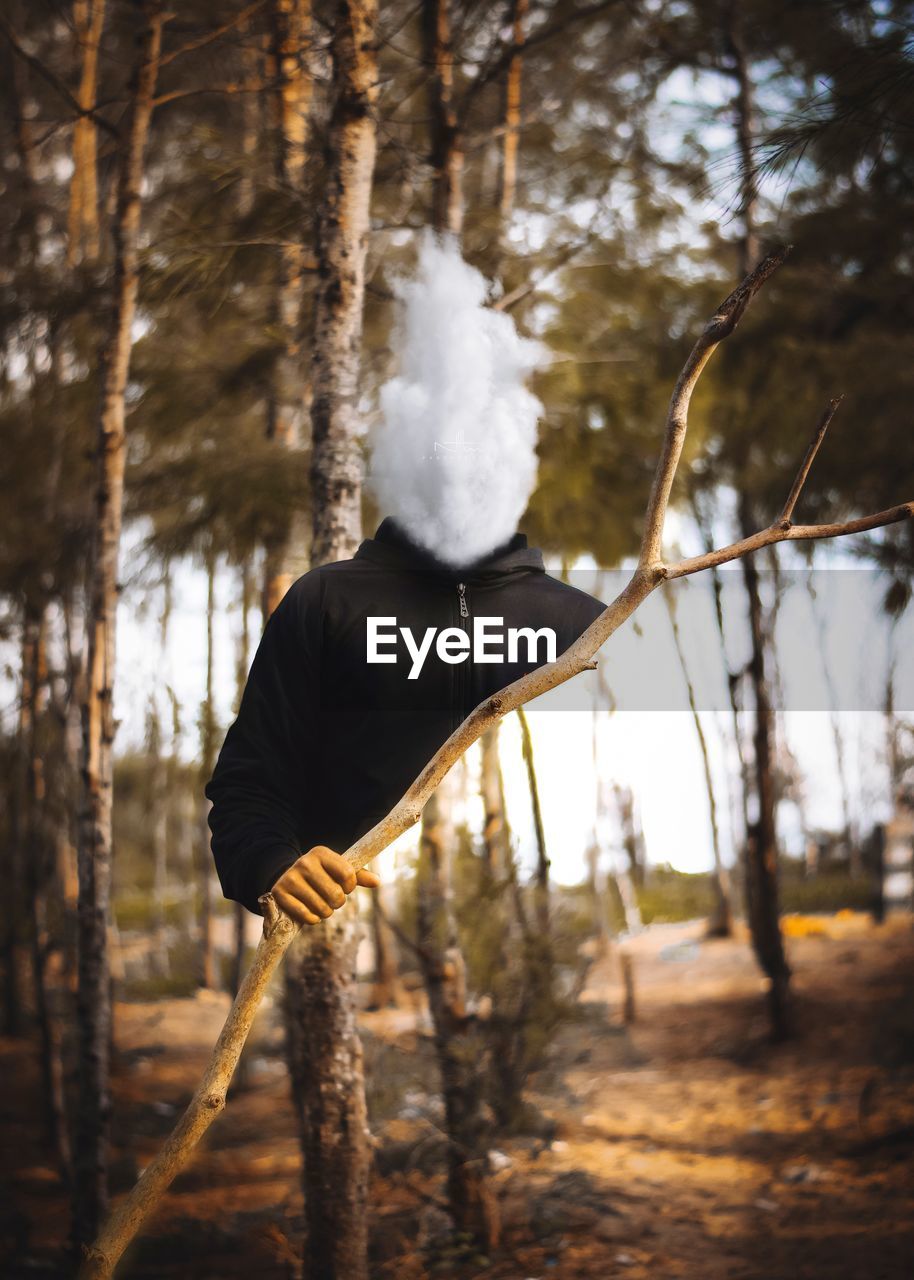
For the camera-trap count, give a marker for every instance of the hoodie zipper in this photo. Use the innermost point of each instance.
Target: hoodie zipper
(462, 676)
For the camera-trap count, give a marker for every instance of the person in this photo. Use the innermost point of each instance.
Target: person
(326, 741)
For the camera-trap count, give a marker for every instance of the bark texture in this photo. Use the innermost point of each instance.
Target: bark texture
(82, 219)
(446, 148)
(762, 845)
(157, 814)
(517, 969)
(459, 1046)
(495, 834)
(336, 464)
(384, 988)
(512, 119)
(541, 882)
(39, 866)
(324, 1050)
(328, 1089)
(94, 855)
(287, 405)
(761, 851)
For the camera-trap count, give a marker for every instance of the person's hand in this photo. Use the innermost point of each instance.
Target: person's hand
(315, 885)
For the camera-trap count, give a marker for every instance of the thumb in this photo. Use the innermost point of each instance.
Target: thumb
(368, 879)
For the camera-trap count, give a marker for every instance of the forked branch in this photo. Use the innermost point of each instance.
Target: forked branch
(279, 930)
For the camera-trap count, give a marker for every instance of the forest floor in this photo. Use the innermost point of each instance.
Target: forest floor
(685, 1146)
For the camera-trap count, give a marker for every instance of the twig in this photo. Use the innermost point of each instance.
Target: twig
(403, 937)
(55, 82)
(720, 326)
(807, 462)
(245, 86)
(787, 532)
(650, 571)
(209, 36)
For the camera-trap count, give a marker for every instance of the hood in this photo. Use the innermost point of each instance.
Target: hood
(391, 546)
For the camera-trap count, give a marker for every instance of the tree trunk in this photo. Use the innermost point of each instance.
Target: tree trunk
(241, 672)
(446, 149)
(328, 1088)
(324, 1051)
(720, 922)
(761, 843)
(287, 403)
(459, 1047)
(519, 974)
(495, 836)
(541, 900)
(597, 892)
(207, 959)
(82, 219)
(733, 678)
(14, 854)
(761, 849)
(68, 835)
(19, 905)
(851, 841)
(384, 987)
(160, 802)
(632, 841)
(336, 427)
(627, 972)
(511, 140)
(895, 756)
(748, 244)
(157, 815)
(94, 856)
(625, 872)
(39, 875)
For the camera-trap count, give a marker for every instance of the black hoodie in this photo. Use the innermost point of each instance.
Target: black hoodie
(325, 743)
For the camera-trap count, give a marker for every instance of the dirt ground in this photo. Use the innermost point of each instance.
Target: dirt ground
(682, 1148)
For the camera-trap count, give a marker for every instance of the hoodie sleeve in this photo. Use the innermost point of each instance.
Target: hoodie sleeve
(266, 768)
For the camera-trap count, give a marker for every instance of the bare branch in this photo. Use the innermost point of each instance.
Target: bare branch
(402, 936)
(209, 36)
(784, 531)
(57, 84)
(516, 295)
(720, 326)
(807, 462)
(244, 86)
(540, 36)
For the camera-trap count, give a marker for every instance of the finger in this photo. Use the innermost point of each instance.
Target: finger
(368, 879)
(294, 909)
(339, 868)
(301, 888)
(328, 889)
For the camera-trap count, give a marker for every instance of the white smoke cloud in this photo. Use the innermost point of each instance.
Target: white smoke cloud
(454, 458)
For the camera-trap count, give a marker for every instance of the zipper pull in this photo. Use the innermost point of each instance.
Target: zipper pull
(462, 592)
